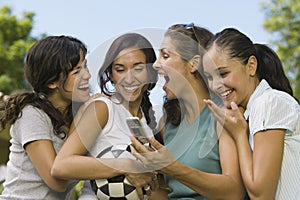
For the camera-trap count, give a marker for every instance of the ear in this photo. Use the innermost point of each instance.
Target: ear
(195, 62)
(252, 65)
(53, 85)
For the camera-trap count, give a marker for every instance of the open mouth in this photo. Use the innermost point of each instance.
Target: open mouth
(84, 87)
(130, 89)
(226, 93)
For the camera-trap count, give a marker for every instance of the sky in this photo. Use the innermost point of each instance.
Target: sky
(97, 22)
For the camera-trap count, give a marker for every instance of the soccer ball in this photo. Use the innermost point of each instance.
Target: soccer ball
(115, 188)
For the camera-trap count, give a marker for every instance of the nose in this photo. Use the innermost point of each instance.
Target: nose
(157, 64)
(129, 77)
(86, 74)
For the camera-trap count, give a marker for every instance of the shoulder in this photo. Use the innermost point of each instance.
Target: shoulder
(34, 114)
(272, 110)
(274, 100)
(94, 104)
(33, 110)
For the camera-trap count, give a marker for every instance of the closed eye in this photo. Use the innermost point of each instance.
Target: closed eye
(223, 74)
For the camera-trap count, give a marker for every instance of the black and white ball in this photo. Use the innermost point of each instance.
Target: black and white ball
(116, 188)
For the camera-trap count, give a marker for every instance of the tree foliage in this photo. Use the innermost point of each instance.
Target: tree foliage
(15, 40)
(283, 21)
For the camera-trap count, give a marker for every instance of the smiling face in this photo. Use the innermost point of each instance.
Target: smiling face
(78, 79)
(129, 74)
(229, 78)
(76, 87)
(173, 68)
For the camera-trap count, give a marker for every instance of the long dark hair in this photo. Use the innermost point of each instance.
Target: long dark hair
(189, 41)
(131, 40)
(239, 46)
(48, 60)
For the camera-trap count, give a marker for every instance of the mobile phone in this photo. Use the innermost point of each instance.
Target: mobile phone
(137, 129)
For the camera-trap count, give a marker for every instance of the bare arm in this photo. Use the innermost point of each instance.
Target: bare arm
(71, 162)
(42, 155)
(227, 185)
(261, 167)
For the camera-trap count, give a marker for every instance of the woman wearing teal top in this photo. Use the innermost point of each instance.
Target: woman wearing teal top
(184, 142)
(199, 160)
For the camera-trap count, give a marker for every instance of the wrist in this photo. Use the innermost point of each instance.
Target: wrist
(171, 169)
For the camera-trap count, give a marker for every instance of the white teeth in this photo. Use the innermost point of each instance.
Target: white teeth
(132, 88)
(83, 86)
(226, 93)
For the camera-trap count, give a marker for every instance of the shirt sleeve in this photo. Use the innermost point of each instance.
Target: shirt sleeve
(33, 125)
(273, 110)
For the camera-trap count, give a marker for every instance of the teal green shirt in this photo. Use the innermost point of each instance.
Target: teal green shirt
(194, 145)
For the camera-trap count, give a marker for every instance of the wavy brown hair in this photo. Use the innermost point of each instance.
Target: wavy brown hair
(48, 60)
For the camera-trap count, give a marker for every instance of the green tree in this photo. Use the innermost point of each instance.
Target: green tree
(283, 22)
(15, 40)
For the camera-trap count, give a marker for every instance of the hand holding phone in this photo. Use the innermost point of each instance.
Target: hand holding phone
(136, 129)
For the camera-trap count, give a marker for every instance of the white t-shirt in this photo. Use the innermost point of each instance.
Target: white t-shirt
(272, 109)
(22, 179)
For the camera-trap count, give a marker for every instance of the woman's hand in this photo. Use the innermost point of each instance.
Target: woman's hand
(231, 119)
(155, 158)
(144, 182)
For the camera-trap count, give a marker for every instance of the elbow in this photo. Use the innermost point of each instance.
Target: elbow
(261, 193)
(57, 171)
(58, 184)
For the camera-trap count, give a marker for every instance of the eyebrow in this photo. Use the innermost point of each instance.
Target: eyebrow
(168, 51)
(84, 63)
(135, 64)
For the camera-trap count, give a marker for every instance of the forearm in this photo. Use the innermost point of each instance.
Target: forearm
(261, 167)
(212, 186)
(246, 162)
(82, 168)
